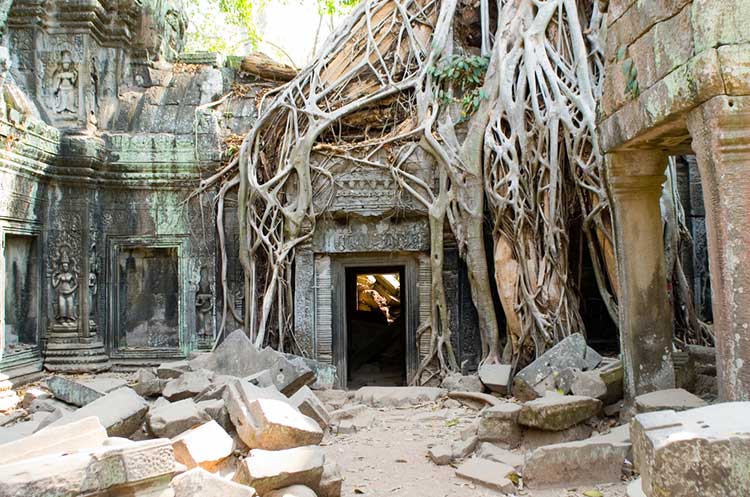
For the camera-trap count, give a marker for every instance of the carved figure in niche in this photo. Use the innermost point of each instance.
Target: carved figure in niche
(93, 282)
(65, 83)
(203, 306)
(4, 68)
(65, 283)
(93, 105)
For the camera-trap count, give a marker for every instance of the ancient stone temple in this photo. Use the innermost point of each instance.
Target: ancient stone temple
(108, 128)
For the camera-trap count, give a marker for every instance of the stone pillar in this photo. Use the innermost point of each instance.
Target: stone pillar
(720, 129)
(635, 179)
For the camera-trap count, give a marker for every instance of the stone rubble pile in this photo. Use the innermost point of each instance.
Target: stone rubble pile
(237, 422)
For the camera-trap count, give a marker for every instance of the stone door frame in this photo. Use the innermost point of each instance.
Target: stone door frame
(410, 295)
(28, 360)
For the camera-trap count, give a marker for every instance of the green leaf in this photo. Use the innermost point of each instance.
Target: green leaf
(621, 53)
(593, 493)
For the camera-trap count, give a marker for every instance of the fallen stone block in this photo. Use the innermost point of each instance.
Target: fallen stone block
(121, 412)
(171, 370)
(596, 460)
(23, 429)
(49, 405)
(499, 424)
(474, 400)
(200, 483)
(326, 375)
(83, 434)
(494, 453)
(175, 418)
(275, 425)
(489, 474)
(397, 396)
(206, 446)
(456, 382)
(441, 455)
(148, 384)
(235, 356)
(330, 481)
(188, 385)
(612, 373)
(82, 392)
(348, 412)
(675, 399)
(293, 491)
(589, 384)
(699, 452)
(262, 379)
(308, 404)
(139, 468)
(534, 438)
(536, 378)
(267, 470)
(558, 412)
(216, 410)
(11, 417)
(289, 373)
(564, 380)
(496, 377)
(53, 416)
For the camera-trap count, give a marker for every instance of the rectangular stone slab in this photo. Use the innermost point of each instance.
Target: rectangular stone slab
(267, 470)
(82, 392)
(121, 412)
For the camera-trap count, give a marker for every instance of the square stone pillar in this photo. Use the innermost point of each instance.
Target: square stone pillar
(720, 129)
(635, 179)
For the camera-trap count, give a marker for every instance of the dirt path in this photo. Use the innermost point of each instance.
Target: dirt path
(389, 458)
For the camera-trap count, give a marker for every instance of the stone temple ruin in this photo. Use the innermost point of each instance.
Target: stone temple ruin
(111, 261)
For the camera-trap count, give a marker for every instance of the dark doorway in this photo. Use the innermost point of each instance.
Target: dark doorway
(375, 326)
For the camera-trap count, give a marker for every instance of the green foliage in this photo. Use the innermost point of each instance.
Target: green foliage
(631, 78)
(460, 80)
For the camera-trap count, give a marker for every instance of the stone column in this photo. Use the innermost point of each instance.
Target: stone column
(635, 179)
(720, 129)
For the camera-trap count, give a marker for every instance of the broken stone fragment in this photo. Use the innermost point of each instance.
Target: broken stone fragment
(267, 470)
(139, 468)
(235, 356)
(275, 425)
(441, 455)
(558, 412)
(456, 382)
(82, 392)
(262, 379)
(148, 384)
(499, 424)
(490, 474)
(675, 399)
(200, 483)
(397, 396)
(703, 451)
(121, 412)
(330, 481)
(612, 373)
(175, 418)
(32, 394)
(589, 384)
(171, 370)
(496, 377)
(9, 399)
(308, 404)
(596, 460)
(206, 446)
(564, 380)
(534, 438)
(293, 491)
(572, 352)
(188, 385)
(83, 434)
(216, 410)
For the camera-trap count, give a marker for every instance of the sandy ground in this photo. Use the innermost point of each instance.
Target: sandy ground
(389, 458)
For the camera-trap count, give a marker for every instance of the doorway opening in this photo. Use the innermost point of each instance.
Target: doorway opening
(375, 326)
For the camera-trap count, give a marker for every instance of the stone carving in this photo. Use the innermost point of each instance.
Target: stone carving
(65, 284)
(383, 236)
(4, 68)
(93, 283)
(65, 84)
(203, 307)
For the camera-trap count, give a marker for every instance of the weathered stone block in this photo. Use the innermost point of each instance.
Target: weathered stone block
(82, 392)
(533, 438)
(496, 377)
(397, 396)
(675, 399)
(206, 446)
(308, 404)
(293, 491)
(490, 474)
(589, 384)
(275, 425)
(703, 451)
(492, 452)
(558, 412)
(171, 370)
(572, 352)
(188, 385)
(121, 412)
(499, 424)
(456, 382)
(200, 483)
(330, 481)
(267, 470)
(175, 418)
(216, 410)
(86, 433)
(146, 466)
(596, 460)
(148, 384)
